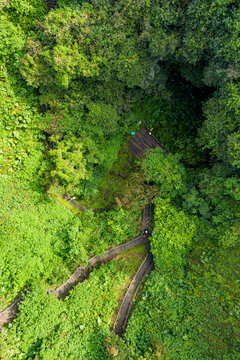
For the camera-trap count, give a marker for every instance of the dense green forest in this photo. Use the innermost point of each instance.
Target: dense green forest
(75, 82)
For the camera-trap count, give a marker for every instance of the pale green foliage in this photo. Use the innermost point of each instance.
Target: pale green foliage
(231, 236)
(30, 237)
(174, 233)
(165, 171)
(43, 240)
(104, 117)
(93, 233)
(72, 329)
(122, 224)
(110, 150)
(75, 164)
(12, 39)
(69, 163)
(192, 317)
(18, 115)
(158, 319)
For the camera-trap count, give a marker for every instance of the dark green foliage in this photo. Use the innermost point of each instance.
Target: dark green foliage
(221, 192)
(25, 13)
(207, 26)
(220, 131)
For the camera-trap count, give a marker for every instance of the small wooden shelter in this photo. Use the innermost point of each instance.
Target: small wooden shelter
(52, 4)
(142, 141)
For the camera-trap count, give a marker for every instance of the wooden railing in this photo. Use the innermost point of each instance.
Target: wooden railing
(6, 316)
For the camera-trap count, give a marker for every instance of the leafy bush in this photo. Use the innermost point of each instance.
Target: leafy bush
(174, 234)
(73, 328)
(12, 40)
(165, 171)
(30, 237)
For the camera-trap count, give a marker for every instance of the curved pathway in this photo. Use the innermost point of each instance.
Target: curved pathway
(83, 271)
(6, 316)
(124, 311)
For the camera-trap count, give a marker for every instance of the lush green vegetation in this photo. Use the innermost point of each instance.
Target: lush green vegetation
(75, 328)
(53, 240)
(74, 83)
